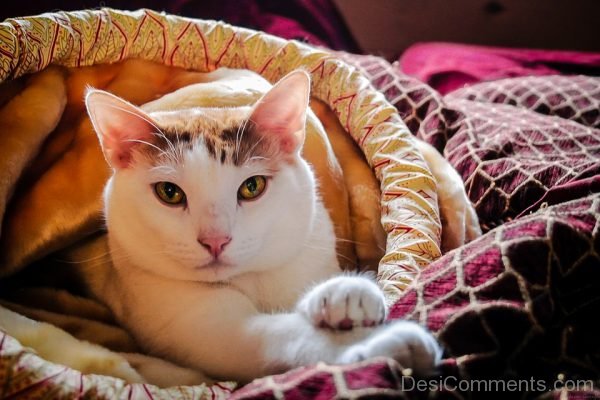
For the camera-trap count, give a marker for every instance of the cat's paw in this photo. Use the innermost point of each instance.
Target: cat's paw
(344, 302)
(406, 342)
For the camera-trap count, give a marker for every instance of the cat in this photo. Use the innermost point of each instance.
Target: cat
(224, 254)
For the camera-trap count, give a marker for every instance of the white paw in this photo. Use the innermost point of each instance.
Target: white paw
(344, 302)
(406, 342)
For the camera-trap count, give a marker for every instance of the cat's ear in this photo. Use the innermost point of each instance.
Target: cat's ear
(119, 124)
(281, 112)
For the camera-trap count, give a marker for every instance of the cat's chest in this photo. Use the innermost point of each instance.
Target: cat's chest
(280, 289)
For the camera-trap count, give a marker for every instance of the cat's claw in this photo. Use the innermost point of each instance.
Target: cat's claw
(343, 303)
(406, 342)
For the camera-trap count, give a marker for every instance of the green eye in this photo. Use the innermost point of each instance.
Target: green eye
(169, 193)
(252, 187)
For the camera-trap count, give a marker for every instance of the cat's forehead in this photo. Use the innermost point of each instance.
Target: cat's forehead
(226, 135)
(201, 120)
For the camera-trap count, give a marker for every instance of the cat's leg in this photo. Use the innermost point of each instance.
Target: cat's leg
(404, 341)
(225, 336)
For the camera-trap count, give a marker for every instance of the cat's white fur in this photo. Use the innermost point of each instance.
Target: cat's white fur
(275, 297)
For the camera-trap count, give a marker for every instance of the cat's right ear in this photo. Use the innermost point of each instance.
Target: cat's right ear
(119, 124)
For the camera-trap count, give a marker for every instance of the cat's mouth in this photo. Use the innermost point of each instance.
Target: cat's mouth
(215, 270)
(215, 264)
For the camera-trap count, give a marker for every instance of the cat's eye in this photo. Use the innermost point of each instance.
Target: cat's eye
(252, 187)
(169, 193)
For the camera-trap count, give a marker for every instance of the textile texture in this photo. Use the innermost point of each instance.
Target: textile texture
(49, 148)
(513, 307)
(516, 305)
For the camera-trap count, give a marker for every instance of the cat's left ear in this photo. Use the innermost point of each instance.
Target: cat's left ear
(119, 124)
(281, 113)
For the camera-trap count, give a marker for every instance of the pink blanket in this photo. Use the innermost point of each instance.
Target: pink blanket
(448, 66)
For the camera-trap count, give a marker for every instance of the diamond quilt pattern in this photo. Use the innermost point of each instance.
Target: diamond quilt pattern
(519, 144)
(576, 98)
(510, 158)
(514, 305)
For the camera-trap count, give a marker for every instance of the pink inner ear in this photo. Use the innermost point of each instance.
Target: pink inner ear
(120, 126)
(281, 113)
(125, 135)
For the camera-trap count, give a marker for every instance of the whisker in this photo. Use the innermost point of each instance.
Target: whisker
(259, 141)
(164, 169)
(108, 257)
(337, 253)
(239, 136)
(143, 118)
(85, 260)
(257, 158)
(144, 142)
(351, 241)
(172, 147)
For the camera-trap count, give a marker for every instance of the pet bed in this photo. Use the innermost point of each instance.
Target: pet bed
(53, 172)
(515, 309)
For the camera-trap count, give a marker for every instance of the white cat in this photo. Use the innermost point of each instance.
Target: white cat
(224, 255)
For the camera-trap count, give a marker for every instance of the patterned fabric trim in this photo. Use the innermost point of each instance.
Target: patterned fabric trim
(31, 377)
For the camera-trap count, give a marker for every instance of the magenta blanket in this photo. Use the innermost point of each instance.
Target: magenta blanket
(449, 66)
(516, 309)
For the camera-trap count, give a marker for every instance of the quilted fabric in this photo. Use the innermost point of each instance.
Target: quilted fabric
(24, 375)
(510, 158)
(576, 98)
(514, 305)
(518, 143)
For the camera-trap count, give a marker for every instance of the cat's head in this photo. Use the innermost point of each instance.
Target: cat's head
(207, 193)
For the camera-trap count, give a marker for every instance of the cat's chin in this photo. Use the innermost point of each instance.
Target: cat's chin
(215, 271)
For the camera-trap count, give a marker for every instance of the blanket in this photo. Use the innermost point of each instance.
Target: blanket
(517, 304)
(53, 175)
(514, 309)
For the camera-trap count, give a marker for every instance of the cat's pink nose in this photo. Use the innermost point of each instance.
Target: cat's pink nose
(214, 244)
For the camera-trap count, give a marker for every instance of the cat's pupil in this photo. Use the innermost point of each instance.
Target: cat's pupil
(170, 190)
(251, 185)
